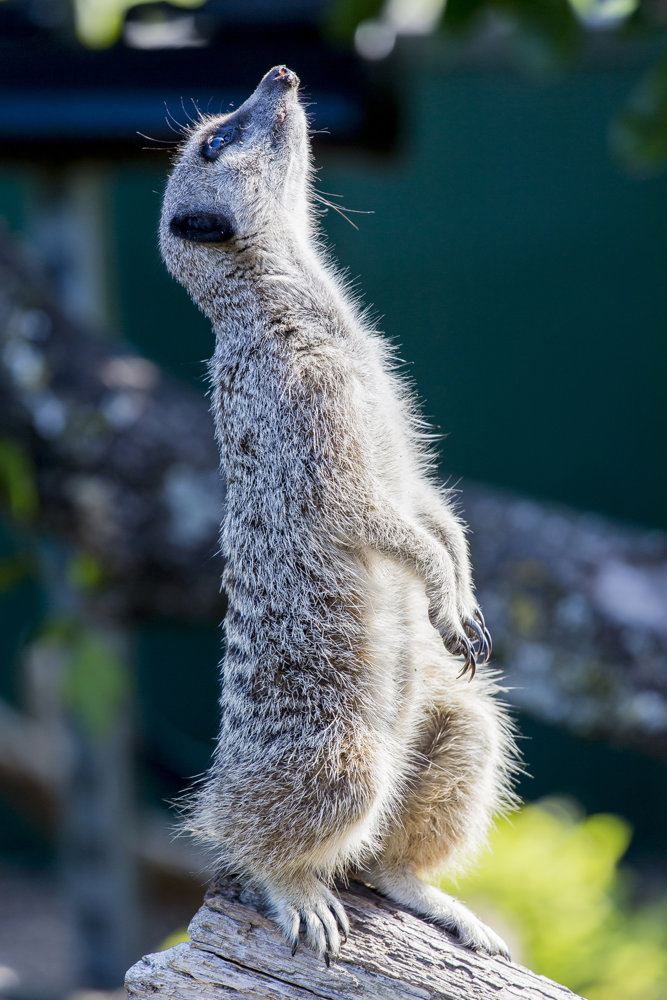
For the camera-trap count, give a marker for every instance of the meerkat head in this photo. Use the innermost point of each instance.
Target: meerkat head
(239, 178)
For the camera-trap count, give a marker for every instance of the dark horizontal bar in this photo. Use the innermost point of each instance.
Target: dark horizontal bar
(41, 116)
(75, 101)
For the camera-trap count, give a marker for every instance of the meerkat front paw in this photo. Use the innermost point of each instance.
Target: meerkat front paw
(311, 910)
(464, 633)
(463, 630)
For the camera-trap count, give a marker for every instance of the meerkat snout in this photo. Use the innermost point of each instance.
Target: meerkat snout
(239, 178)
(283, 75)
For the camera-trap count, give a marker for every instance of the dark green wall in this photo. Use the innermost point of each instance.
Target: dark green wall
(525, 274)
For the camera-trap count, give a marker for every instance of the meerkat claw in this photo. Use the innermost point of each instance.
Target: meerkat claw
(316, 918)
(341, 918)
(469, 666)
(477, 626)
(476, 633)
(489, 643)
(464, 648)
(331, 933)
(459, 645)
(487, 635)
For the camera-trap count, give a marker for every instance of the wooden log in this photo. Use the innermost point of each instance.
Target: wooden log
(235, 952)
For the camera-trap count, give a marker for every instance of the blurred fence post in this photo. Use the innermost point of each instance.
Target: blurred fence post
(68, 224)
(96, 809)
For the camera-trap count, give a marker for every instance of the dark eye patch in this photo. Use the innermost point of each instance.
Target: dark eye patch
(214, 144)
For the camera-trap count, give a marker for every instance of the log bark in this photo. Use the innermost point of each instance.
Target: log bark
(126, 468)
(236, 952)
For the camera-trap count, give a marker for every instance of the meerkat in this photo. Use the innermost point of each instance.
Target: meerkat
(356, 737)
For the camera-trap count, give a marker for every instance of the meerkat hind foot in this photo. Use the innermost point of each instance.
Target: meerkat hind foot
(404, 887)
(313, 910)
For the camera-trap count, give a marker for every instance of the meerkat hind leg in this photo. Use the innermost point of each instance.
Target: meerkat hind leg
(461, 777)
(308, 906)
(404, 887)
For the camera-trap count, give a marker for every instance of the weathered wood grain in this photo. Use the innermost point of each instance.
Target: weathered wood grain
(236, 952)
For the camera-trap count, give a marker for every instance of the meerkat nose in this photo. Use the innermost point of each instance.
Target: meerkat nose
(284, 76)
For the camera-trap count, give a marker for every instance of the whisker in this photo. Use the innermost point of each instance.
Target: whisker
(180, 129)
(339, 208)
(150, 138)
(200, 116)
(354, 211)
(187, 114)
(336, 208)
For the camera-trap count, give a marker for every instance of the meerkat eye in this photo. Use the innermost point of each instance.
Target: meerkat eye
(216, 142)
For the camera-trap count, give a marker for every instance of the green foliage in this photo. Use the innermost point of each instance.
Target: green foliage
(179, 936)
(96, 683)
(639, 133)
(17, 481)
(14, 570)
(462, 14)
(547, 34)
(99, 22)
(85, 572)
(343, 17)
(564, 905)
(605, 10)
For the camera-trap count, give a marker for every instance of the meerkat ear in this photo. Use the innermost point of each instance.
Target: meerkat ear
(204, 227)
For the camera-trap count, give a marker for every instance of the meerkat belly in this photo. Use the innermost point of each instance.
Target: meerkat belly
(298, 609)
(398, 629)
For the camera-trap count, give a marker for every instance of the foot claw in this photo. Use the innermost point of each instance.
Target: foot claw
(404, 887)
(341, 918)
(317, 917)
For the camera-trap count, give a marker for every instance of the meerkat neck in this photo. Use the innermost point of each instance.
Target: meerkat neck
(283, 285)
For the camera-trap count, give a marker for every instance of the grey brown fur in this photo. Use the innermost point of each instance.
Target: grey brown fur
(349, 741)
